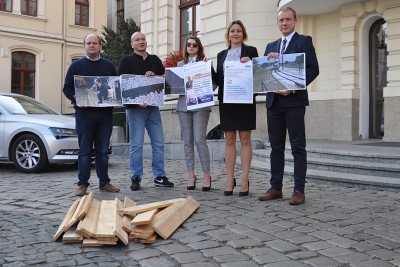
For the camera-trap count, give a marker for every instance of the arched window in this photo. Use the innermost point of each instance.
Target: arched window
(190, 19)
(82, 12)
(29, 7)
(6, 5)
(23, 73)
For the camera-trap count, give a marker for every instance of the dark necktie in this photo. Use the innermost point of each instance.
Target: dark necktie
(283, 46)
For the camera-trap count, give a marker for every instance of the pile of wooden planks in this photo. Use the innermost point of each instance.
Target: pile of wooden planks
(104, 222)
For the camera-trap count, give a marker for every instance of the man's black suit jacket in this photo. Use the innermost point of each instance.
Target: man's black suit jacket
(298, 44)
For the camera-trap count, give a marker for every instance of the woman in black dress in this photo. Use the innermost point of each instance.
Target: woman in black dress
(235, 118)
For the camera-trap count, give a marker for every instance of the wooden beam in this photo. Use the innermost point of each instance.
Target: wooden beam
(118, 231)
(149, 206)
(174, 216)
(66, 219)
(126, 219)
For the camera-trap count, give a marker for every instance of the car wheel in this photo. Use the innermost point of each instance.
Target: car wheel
(28, 154)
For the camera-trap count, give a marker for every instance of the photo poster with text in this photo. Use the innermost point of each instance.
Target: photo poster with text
(140, 89)
(174, 82)
(287, 72)
(199, 91)
(238, 82)
(97, 91)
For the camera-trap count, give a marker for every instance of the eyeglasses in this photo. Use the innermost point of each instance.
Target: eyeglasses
(194, 45)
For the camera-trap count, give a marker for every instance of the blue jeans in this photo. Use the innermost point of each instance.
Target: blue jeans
(94, 127)
(148, 118)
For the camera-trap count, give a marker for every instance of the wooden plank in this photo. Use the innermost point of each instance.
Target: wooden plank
(144, 217)
(142, 231)
(136, 236)
(128, 202)
(126, 219)
(150, 240)
(84, 206)
(108, 242)
(91, 243)
(105, 222)
(66, 219)
(80, 211)
(118, 231)
(81, 232)
(71, 235)
(109, 239)
(176, 214)
(149, 206)
(87, 227)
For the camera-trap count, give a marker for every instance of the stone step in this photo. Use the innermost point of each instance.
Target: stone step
(355, 165)
(330, 177)
(350, 152)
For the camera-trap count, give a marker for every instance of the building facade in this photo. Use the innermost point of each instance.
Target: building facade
(357, 94)
(38, 41)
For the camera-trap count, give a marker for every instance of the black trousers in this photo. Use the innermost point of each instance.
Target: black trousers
(291, 119)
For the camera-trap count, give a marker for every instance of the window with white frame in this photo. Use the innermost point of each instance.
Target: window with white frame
(29, 7)
(23, 72)
(82, 13)
(6, 5)
(190, 19)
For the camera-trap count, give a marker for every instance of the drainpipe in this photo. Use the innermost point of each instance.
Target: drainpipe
(63, 52)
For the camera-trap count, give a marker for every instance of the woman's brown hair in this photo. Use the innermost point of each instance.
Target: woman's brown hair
(238, 22)
(200, 50)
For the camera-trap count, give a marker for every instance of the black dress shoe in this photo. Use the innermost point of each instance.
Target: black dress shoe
(246, 193)
(243, 194)
(192, 187)
(230, 193)
(206, 188)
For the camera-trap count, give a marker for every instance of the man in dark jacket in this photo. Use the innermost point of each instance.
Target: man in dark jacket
(286, 110)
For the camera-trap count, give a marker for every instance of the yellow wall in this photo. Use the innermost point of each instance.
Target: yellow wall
(53, 38)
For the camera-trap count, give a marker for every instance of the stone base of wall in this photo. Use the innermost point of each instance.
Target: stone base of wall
(392, 118)
(174, 149)
(172, 130)
(333, 120)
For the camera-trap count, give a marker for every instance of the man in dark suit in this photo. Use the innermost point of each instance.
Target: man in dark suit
(286, 110)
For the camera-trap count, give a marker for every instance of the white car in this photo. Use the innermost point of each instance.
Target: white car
(33, 135)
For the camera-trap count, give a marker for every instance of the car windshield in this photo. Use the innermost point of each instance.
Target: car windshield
(19, 105)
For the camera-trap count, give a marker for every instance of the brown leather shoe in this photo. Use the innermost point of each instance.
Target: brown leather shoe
(109, 188)
(297, 198)
(271, 194)
(81, 190)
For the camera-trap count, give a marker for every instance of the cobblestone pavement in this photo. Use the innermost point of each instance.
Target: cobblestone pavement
(337, 226)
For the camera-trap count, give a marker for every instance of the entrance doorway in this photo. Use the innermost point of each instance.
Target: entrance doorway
(378, 77)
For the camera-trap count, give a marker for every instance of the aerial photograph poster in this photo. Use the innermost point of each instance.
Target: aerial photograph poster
(287, 72)
(140, 89)
(199, 90)
(97, 91)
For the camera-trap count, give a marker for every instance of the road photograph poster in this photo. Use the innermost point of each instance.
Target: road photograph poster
(97, 91)
(174, 82)
(238, 82)
(287, 72)
(140, 89)
(198, 85)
